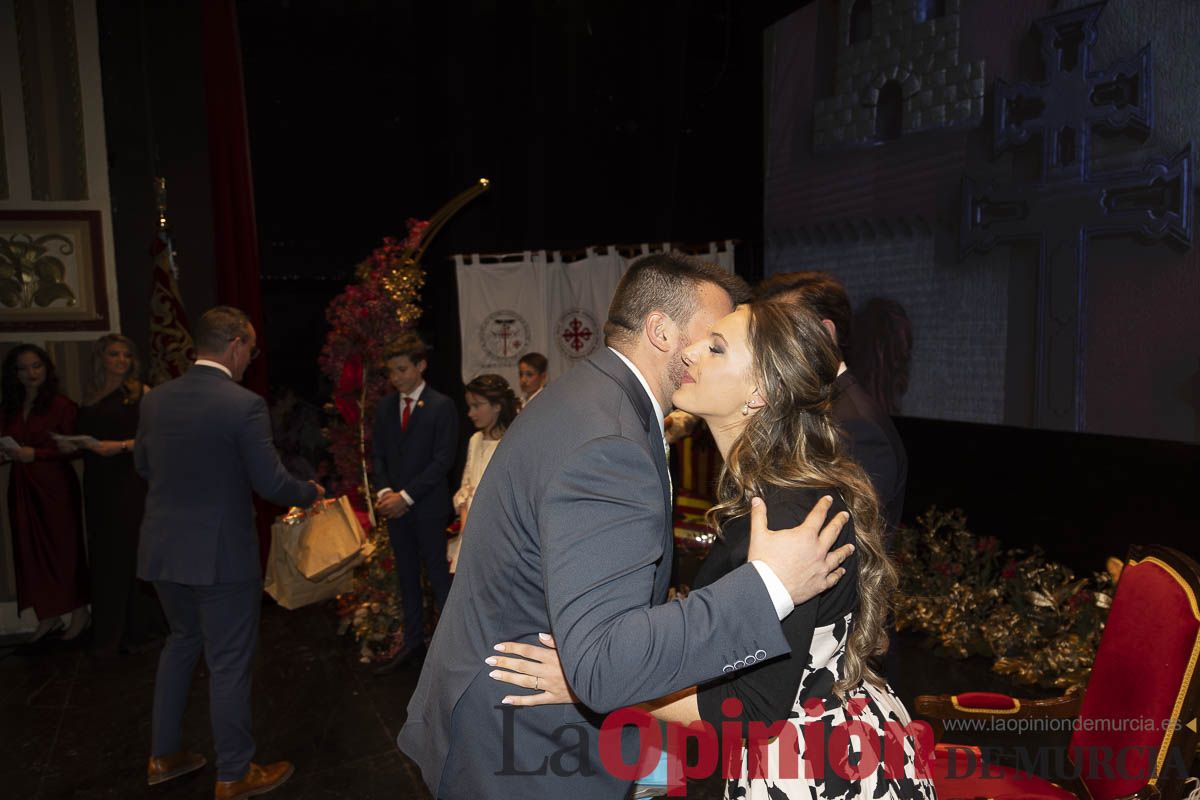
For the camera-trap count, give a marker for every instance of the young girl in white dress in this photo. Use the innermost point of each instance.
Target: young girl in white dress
(491, 405)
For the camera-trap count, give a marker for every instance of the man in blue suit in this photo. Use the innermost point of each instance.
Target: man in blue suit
(413, 447)
(204, 446)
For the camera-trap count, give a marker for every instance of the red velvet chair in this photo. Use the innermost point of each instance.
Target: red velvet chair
(1144, 674)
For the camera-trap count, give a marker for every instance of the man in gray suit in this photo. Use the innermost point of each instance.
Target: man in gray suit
(570, 532)
(204, 445)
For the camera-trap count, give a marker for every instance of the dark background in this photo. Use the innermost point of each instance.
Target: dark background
(597, 122)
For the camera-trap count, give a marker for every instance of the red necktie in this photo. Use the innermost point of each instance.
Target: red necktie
(407, 413)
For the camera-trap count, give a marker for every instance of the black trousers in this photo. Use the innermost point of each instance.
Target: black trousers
(415, 543)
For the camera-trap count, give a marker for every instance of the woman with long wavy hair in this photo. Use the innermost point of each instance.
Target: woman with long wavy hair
(125, 611)
(763, 381)
(44, 503)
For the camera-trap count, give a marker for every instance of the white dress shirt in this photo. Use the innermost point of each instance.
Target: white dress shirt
(780, 597)
(658, 412)
(204, 362)
(415, 395)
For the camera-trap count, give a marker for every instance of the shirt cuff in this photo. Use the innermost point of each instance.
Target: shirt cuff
(779, 593)
(382, 493)
(408, 499)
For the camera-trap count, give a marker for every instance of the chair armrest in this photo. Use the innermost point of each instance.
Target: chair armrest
(988, 705)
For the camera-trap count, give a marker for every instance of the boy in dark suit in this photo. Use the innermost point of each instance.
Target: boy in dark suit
(413, 448)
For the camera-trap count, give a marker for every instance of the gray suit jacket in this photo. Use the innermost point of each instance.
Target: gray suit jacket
(570, 532)
(203, 443)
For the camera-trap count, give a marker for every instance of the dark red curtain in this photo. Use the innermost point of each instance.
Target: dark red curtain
(235, 235)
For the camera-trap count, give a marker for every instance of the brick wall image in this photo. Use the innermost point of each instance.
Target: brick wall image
(898, 72)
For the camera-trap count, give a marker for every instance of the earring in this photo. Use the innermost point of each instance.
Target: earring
(745, 409)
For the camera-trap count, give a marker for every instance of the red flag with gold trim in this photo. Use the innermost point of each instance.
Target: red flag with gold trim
(171, 350)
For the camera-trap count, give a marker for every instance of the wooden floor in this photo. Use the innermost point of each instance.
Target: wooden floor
(74, 727)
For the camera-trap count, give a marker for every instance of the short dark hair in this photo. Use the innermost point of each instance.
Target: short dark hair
(496, 391)
(665, 282)
(407, 344)
(535, 360)
(218, 327)
(14, 390)
(821, 292)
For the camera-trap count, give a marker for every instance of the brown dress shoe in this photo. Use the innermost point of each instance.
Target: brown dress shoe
(258, 780)
(163, 768)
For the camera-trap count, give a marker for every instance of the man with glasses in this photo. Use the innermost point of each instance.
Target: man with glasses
(204, 447)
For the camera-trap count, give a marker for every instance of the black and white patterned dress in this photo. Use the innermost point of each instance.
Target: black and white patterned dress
(859, 746)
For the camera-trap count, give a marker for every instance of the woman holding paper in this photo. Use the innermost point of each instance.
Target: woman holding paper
(43, 492)
(125, 611)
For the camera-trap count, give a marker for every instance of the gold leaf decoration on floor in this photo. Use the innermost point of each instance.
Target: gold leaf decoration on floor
(1038, 621)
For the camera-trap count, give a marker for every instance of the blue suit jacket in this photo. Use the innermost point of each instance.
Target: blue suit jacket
(204, 445)
(419, 459)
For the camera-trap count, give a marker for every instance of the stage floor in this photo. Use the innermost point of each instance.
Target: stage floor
(76, 728)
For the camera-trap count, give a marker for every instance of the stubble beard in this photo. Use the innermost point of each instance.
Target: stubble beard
(676, 369)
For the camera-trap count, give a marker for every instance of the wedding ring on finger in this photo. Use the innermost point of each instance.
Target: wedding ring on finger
(537, 679)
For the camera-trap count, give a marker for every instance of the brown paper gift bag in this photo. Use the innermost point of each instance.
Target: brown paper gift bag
(314, 553)
(329, 537)
(292, 590)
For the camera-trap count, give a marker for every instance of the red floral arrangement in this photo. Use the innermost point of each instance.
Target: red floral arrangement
(369, 314)
(381, 303)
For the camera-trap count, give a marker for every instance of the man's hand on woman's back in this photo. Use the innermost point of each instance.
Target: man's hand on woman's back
(801, 556)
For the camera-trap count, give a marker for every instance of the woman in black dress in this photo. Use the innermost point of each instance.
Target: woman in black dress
(124, 611)
(763, 381)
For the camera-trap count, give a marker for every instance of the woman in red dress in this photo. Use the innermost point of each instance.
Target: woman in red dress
(44, 502)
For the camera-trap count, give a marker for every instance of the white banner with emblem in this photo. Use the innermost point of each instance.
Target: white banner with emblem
(578, 294)
(501, 311)
(543, 302)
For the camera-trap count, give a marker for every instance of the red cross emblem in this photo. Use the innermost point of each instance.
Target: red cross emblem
(577, 334)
